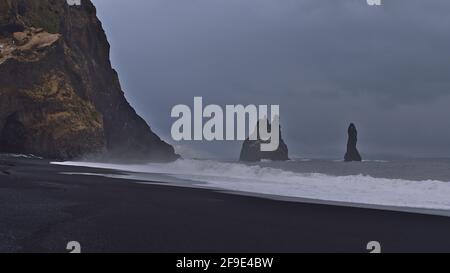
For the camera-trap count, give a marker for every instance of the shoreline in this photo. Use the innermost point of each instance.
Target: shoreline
(116, 171)
(191, 184)
(42, 210)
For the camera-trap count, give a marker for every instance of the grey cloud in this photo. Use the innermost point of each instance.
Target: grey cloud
(326, 62)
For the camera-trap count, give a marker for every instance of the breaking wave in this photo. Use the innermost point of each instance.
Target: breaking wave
(237, 177)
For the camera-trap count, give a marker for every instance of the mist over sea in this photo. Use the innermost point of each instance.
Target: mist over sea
(415, 183)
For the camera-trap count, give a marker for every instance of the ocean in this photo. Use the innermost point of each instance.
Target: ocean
(416, 184)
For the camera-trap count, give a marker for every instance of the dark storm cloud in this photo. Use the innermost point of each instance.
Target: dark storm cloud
(326, 62)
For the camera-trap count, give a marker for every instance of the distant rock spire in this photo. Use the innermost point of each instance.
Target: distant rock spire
(251, 149)
(352, 151)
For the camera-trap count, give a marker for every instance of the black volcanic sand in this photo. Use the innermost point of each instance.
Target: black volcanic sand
(42, 210)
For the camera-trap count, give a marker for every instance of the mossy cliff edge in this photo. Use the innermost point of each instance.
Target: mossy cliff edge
(59, 96)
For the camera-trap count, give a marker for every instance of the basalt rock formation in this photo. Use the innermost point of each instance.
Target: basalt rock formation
(251, 149)
(352, 152)
(59, 96)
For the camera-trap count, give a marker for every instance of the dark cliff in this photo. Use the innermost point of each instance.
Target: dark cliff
(59, 96)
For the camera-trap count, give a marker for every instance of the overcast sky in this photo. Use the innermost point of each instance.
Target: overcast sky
(325, 62)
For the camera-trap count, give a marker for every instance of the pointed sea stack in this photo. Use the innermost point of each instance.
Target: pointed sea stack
(352, 152)
(251, 150)
(59, 96)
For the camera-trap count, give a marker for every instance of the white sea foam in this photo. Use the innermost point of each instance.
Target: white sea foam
(357, 189)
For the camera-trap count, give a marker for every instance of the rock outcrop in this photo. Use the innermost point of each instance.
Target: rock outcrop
(59, 96)
(352, 151)
(251, 149)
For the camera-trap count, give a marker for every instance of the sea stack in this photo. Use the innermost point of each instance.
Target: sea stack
(251, 149)
(59, 96)
(352, 151)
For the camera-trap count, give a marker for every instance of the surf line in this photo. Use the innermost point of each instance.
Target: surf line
(190, 124)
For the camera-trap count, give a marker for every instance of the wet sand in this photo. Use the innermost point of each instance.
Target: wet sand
(41, 210)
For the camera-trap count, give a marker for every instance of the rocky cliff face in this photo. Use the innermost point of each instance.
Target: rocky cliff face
(352, 151)
(59, 96)
(251, 150)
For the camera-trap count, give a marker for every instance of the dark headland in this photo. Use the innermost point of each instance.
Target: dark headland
(59, 96)
(42, 209)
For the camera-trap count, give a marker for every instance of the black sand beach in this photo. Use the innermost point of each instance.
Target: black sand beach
(41, 210)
